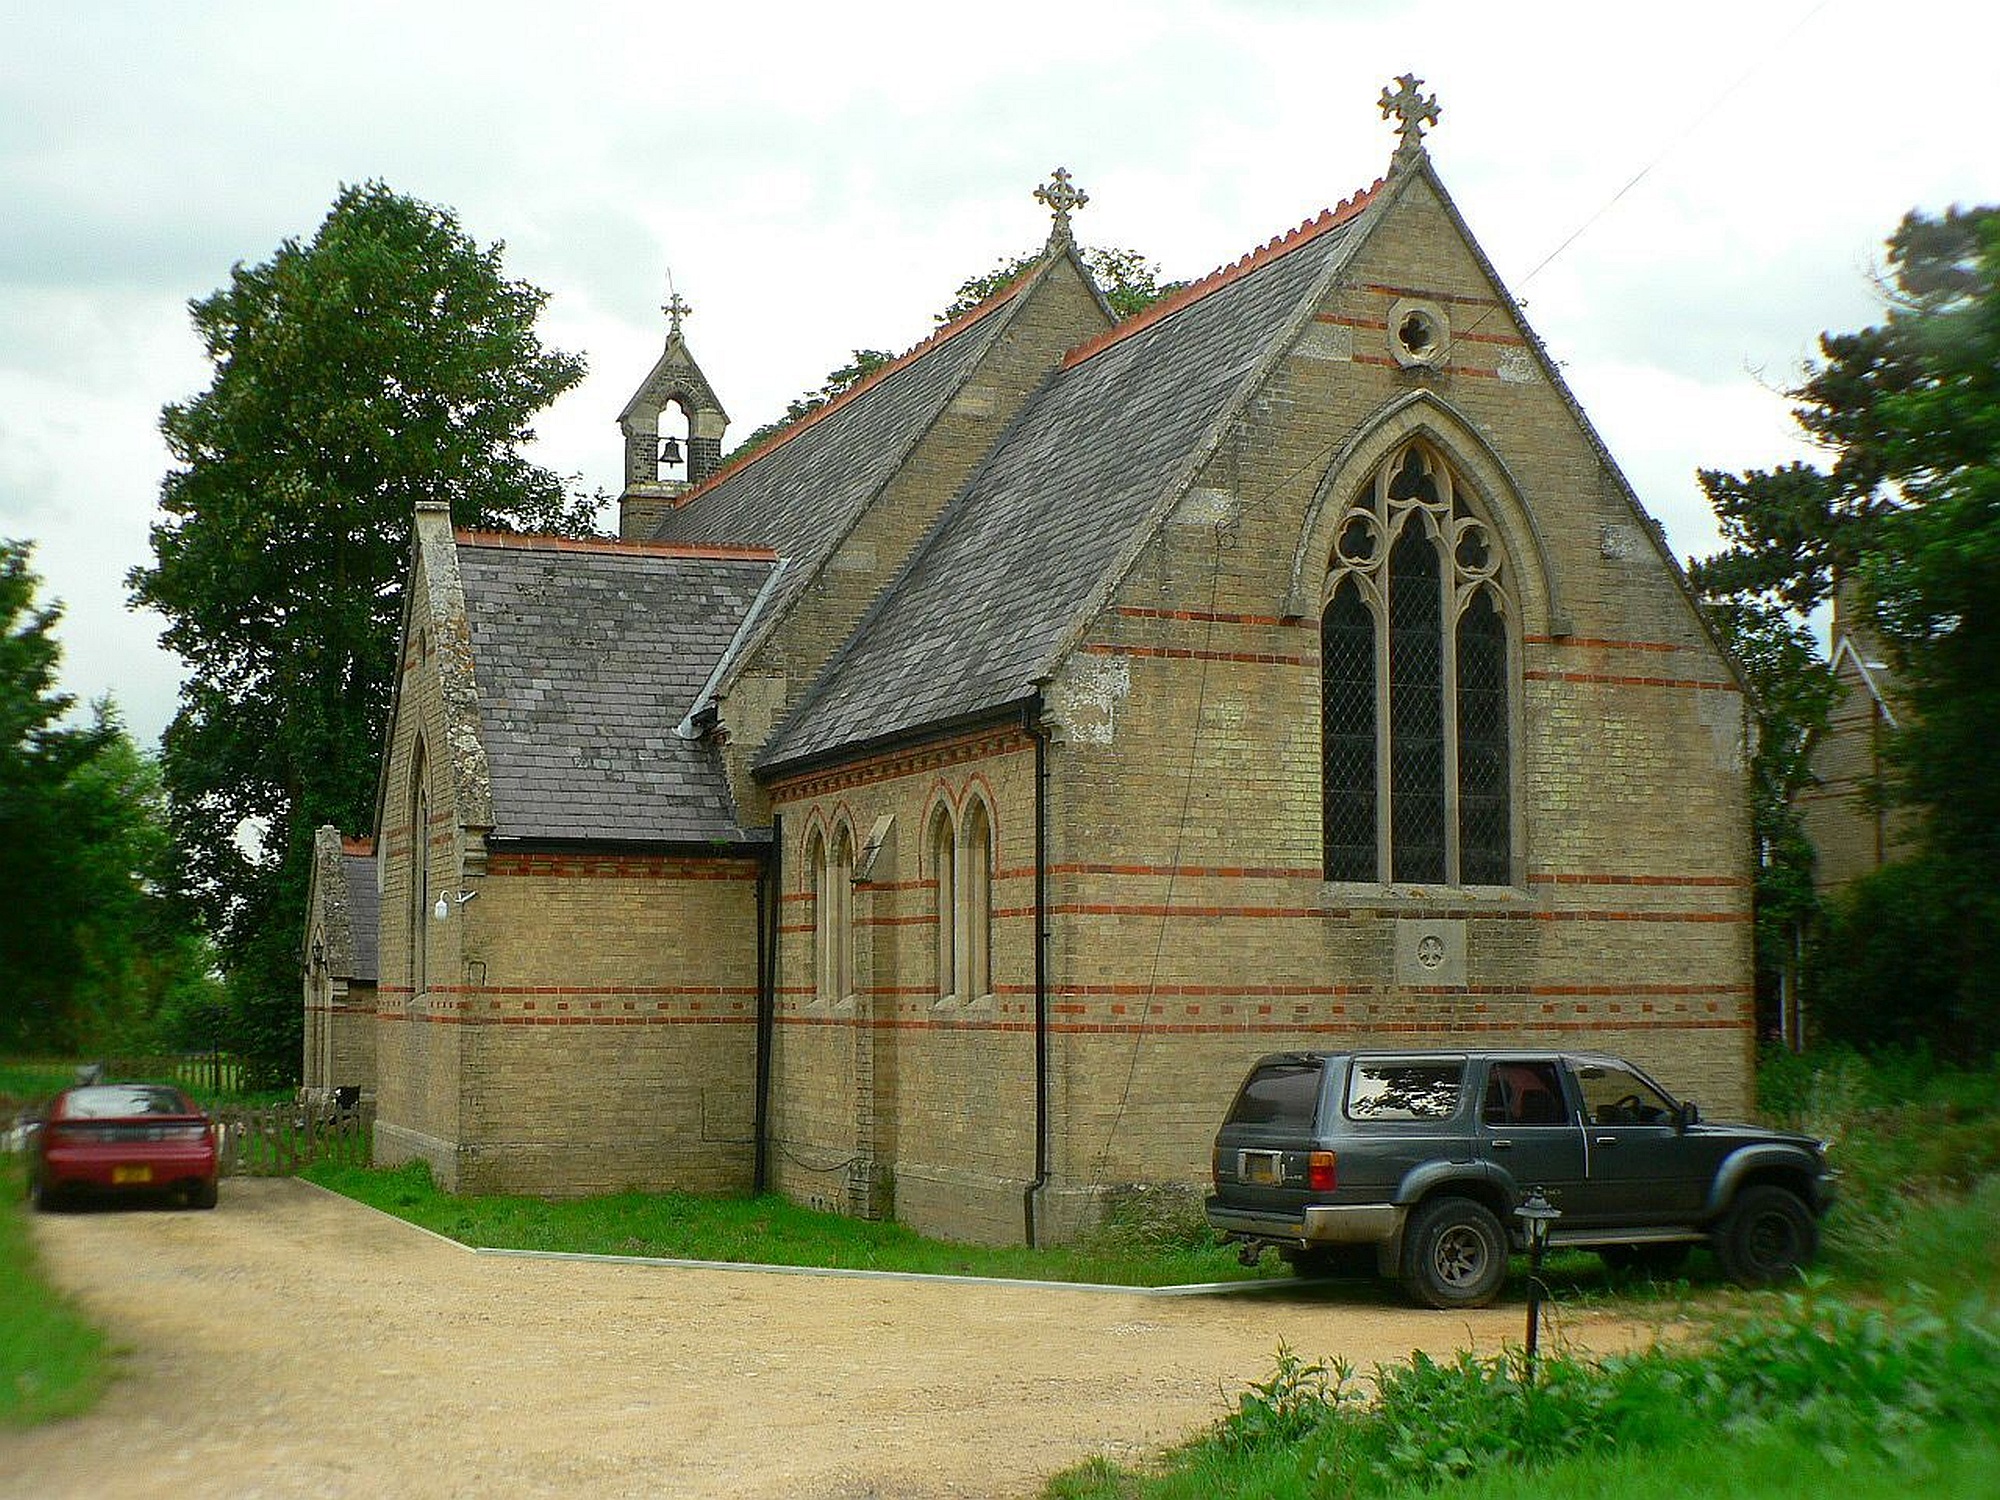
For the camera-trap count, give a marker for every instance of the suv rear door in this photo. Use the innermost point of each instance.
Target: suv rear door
(1262, 1150)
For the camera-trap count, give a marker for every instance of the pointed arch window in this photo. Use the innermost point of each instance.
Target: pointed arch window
(942, 848)
(420, 870)
(976, 853)
(840, 939)
(819, 893)
(1416, 683)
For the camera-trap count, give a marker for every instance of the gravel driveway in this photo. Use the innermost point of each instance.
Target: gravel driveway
(295, 1344)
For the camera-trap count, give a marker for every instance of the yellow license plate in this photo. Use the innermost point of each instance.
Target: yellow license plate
(1265, 1167)
(123, 1175)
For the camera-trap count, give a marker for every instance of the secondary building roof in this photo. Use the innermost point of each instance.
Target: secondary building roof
(588, 656)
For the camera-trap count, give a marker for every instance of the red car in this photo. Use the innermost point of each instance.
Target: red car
(124, 1138)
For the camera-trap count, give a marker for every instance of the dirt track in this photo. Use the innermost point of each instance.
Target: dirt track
(294, 1344)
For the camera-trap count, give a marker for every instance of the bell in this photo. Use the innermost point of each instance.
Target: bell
(670, 451)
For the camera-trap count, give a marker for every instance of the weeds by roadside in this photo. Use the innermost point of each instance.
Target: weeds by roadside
(1850, 1385)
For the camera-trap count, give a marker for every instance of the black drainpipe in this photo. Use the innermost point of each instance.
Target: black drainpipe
(1031, 721)
(768, 889)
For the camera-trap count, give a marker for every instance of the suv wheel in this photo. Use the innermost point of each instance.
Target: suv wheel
(1454, 1254)
(1765, 1237)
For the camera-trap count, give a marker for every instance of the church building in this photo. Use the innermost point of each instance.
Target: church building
(931, 813)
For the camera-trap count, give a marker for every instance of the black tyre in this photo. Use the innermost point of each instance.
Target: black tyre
(42, 1195)
(1645, 1260)
(203, 1195)
(1765, 1237)
(1454, 1254)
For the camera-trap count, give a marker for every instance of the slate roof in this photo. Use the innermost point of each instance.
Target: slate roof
(981, 610)
(800, 495)
(586, 657)
(363, 914)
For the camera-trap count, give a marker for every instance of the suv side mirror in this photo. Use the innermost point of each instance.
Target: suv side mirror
(1688, 1114)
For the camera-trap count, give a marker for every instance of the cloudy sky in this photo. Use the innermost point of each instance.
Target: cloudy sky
(821, 177)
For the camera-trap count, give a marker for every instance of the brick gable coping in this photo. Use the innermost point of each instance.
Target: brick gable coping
(1263, 255)
(910, 356)
(525, 541)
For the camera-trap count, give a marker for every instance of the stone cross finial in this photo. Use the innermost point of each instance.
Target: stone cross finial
(1062, 200)
(1412, 111)
(675, 309)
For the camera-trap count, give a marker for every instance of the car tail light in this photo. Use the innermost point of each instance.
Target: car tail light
(1321, 1176)
(186, 1133)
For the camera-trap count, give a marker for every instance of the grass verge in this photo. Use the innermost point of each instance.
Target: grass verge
(772, 1231)
(53, 1361)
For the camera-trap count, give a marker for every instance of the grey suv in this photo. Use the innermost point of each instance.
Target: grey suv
(1412, 1164)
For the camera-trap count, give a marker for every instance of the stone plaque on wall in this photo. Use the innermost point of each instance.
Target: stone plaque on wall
(1430, 952)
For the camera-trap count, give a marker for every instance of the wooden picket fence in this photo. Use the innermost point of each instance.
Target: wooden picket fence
(281, 1140)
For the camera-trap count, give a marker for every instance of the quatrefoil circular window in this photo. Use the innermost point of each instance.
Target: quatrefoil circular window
(1419, 333)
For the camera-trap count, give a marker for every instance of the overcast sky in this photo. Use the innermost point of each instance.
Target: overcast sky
(822, 177)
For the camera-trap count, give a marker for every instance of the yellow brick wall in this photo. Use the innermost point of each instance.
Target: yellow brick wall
(924, 1102)
(417, 1053)
(1190, 929)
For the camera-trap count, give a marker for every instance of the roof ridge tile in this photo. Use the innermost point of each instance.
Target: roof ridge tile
(528, 541)
(1243, 265)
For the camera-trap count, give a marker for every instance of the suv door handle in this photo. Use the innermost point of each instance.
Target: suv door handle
(1499, 1145)
(1607, 1140)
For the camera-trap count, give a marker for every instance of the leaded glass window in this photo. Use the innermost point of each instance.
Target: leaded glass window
(1416, 762)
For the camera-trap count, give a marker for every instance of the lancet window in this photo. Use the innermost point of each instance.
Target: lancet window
(1415, 707)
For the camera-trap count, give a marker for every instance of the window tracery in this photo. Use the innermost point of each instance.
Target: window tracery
(1416, 772)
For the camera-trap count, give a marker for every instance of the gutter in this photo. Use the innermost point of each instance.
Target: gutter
(1031, 716)
(688, 728)
(768, 889)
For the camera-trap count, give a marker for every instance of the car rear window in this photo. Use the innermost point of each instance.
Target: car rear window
(1279, 1093)
(1415, 1089)
(117, 1101)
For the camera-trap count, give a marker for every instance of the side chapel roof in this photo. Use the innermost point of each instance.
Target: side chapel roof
(345, 914)
(980, 614)
(587, 656)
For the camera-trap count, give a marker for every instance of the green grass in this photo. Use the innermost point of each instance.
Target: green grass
(53, 1361)
(772, 1231)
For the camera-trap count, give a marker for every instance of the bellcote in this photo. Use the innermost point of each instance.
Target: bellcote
(673, 428)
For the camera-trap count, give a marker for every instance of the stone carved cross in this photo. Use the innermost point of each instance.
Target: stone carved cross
(675, 309)
(1412, 111)
(1062, 200)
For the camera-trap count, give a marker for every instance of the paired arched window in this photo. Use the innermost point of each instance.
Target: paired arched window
(1416, 763)
(830, 877)
(960, 853)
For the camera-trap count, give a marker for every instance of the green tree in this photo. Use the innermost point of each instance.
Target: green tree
(1909, 512)
(1129, 280)
(385, 361)
(1130, 283)
(91, 945)
(1793, 692)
